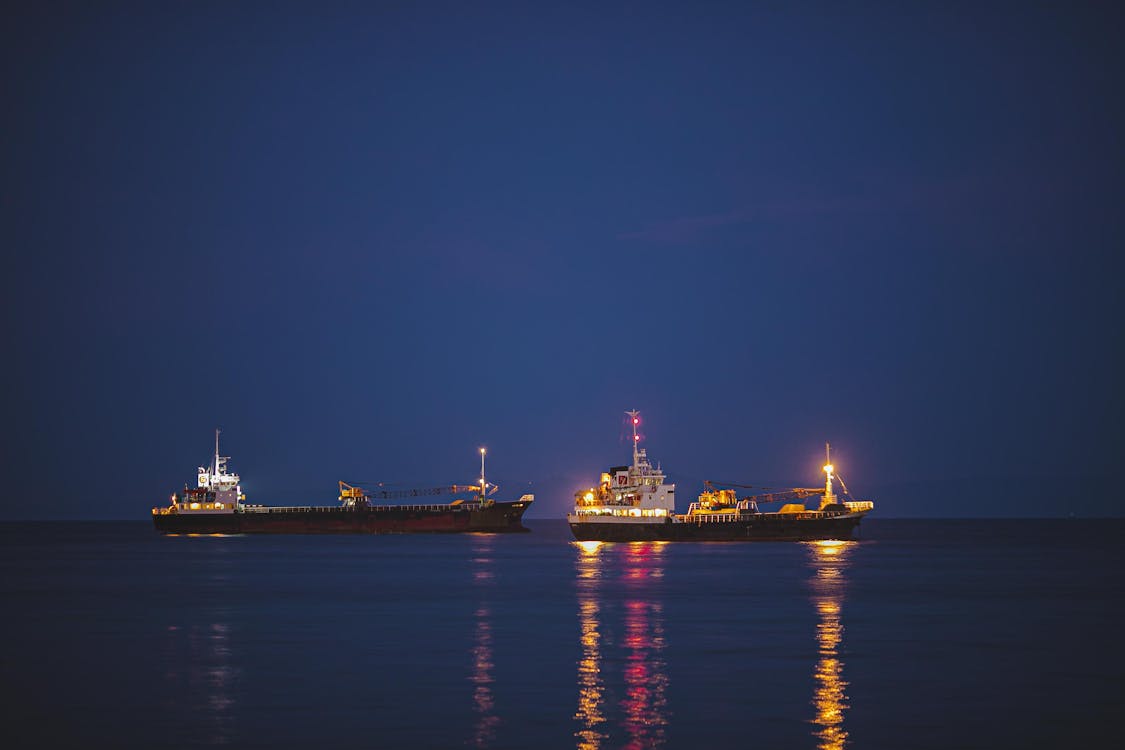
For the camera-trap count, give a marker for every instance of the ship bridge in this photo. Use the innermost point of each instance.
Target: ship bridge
(636, 491)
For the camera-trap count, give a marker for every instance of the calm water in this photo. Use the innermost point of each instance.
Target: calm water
(924, 634)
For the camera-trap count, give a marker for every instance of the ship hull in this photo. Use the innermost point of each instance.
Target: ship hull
(762, 527)
(496, 518)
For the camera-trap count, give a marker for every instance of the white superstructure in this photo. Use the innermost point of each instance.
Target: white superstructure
(215, 477)
(216, 491)
(627, 494)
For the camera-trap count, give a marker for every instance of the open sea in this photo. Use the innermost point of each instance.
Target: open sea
(922, 634)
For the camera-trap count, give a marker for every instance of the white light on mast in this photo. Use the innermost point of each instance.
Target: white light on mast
(828, 469)
(483, 485)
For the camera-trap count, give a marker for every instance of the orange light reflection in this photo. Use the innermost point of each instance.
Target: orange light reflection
(591, 688)
(830, 563)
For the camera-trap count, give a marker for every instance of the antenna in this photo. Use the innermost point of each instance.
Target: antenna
(217, 431)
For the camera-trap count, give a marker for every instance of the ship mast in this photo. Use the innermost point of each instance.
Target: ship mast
(636, 438)
(483, 486)
(215, 471)
(829, 498)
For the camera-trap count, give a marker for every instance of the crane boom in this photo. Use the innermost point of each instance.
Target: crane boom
(769, 494)
(449, 489)
(351, 494)
(797, 493)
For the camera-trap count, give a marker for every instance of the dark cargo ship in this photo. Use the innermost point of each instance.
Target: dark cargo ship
(633, 504)
(217, 506)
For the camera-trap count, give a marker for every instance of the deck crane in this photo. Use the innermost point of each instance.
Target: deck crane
(720, 495)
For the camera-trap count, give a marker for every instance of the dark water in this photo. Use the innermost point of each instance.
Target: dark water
(925, 634)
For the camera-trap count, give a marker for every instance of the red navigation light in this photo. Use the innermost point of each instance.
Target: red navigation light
(636, 420)
(636, 437)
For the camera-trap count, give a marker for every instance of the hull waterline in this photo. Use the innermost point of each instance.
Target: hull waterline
(762, 528)
(497, 518)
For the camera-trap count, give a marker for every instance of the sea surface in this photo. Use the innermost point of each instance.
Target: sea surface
(923, 634)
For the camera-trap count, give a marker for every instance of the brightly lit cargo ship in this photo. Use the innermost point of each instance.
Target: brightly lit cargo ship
(633, 503)
(217, 506)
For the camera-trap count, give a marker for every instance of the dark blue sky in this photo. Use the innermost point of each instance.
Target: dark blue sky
(366, 239)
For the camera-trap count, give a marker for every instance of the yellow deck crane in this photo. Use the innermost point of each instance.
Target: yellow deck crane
(724, 499)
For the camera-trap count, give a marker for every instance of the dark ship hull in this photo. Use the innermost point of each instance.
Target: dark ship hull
(750, 527)
(491, 518)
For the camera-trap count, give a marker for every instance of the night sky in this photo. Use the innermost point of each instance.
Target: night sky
(366, 239)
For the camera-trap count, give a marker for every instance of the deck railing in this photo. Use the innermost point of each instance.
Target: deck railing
(732, 517)
(438, 507)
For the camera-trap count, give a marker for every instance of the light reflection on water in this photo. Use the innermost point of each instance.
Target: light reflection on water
(591, 686)
(205, 677)
(829, 561)
(484, 704)
(646, 674)
(635, 572)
